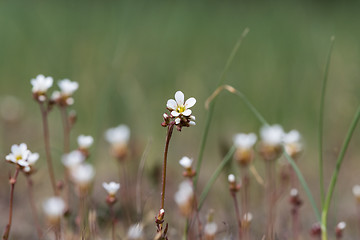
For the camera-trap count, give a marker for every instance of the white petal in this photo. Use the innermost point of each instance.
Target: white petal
(192, 123)
(190, 102)
(175, 113)
(177, 120)
(171, 104)
(187, 112)
(15, 149)
(179, 97)
(23, 147)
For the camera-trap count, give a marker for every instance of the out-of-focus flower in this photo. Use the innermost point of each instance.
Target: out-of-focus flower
(186, 162)
(85, 142)
(135, 232)
(184, 197)
(54, 209)
(233, 186)
(210, 229)
(295, 198)
(231, 178)
(339, 231)
(246, 221)
(111, 187)
(118, 137)
(22, 156)
(271, 141)
(67, 89)
(40, 85)
(292, 143)
(72, 159)
(244, 148)
(180, 111)
(82, 175)
(356, 192)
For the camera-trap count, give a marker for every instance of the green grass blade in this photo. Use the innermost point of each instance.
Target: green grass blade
(215, 175)
(212, 106)
(321, 121)
(336, 173)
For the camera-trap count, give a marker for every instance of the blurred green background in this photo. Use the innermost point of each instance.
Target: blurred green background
(130, 57)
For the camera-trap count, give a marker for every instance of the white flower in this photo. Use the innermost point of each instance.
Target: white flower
(83, 174)
(30, 161)
(135, 231)
(67, 87)
(245, 141)
(111, 187)
(292, 142)
(118, 135)
(294, 192)
(41, 84)
(356, 191)
(18, 153)
(231, 178)
(54, 207)
(210, 228)
(248, 217)
(341, 225)
(272, 135)
(85, 141)
(72, 159)
(185, 162)
(184, 194)
(180, 108)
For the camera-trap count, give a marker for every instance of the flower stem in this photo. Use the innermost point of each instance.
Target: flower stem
(33, 207)
(113, 222)
(271, 197)
(12, 182)
(168, 137)
(321, 122)
(212, 106)
(237, 213)
(66, 126)
(44, 114)
(336, 173)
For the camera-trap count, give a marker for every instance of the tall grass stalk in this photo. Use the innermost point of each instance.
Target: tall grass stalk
(212, 106)
(321, 121)
(334, 177)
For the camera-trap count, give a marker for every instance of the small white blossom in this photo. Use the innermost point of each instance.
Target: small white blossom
(341, 225)
(68, 87)
(30, 161)
(179, 107)
(41, 84)
(54, 207)
(272, 135)
(18, 153)
(245, 141)
(85, 141)
(294, 192)
(111, 187)
(210, 228)
(135, 232)
(184, 194)
(186, 162)
(231, 178)
(118, 135)
(292, 142)
(248, 217)
(72, 159)
(83, 174)
(356, 191)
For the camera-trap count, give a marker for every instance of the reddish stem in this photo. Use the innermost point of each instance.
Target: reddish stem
(44, 114)
(237, 213)
(12, 182)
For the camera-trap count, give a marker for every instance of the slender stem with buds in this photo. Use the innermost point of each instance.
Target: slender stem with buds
(237, 213)
(44, 114)
(271, 198)
(168, 137)
(12, 182)
(33, 207)
(244, 191)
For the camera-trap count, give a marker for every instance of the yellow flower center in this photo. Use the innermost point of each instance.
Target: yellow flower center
(180, 109)
(18, 157)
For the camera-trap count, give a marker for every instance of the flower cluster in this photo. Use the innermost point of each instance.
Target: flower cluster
(180, 113)
(23, 157)
(41, 84)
